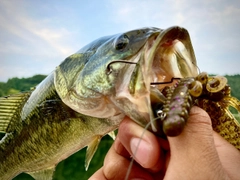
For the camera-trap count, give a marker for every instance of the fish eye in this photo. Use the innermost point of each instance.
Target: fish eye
(121, 42)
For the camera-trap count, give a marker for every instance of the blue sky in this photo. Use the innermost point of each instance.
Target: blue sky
(36, 36)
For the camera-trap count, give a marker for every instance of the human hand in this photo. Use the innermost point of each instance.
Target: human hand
(197, 153)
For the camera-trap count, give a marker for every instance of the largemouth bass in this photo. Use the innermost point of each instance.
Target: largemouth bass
(88, 95)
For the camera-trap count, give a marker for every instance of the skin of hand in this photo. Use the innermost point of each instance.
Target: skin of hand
(197, 153)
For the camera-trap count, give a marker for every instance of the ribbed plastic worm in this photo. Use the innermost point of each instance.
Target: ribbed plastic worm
(210, 93)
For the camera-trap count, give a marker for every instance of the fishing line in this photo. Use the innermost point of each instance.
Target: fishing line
(135, 152)
(109, 70)
(167, 82)
(199, 70)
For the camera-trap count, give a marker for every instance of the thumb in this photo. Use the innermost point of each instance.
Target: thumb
(193, 153)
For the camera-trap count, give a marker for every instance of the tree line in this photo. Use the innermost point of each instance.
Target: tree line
(15, 85)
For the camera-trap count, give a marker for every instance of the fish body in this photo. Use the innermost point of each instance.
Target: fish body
(87, 96)
(48, 134)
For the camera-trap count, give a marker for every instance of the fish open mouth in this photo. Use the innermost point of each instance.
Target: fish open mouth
(167, 54)
(170, 55)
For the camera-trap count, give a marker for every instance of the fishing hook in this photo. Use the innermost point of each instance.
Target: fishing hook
(173, 78)
(109, 70)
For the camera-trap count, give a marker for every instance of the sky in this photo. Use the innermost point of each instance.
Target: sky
(36, 36)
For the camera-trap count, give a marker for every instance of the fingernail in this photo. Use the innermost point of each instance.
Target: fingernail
(140, 150)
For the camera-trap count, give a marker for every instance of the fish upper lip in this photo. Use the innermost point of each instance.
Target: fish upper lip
(172, 56)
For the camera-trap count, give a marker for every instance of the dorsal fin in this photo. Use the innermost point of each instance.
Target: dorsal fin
(10, 109)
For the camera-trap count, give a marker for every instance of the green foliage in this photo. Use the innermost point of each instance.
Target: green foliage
(237, 117)
(234, 82)
(15, 85)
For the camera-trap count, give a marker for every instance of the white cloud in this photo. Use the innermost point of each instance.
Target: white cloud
(136, 14)
(52, 36)
(35, 41)
(16, 21)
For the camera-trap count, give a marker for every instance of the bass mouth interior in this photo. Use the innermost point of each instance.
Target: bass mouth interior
(172, 56)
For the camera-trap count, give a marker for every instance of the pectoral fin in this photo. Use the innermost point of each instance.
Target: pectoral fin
(10, 110)
(91, 149)
(46, 174)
